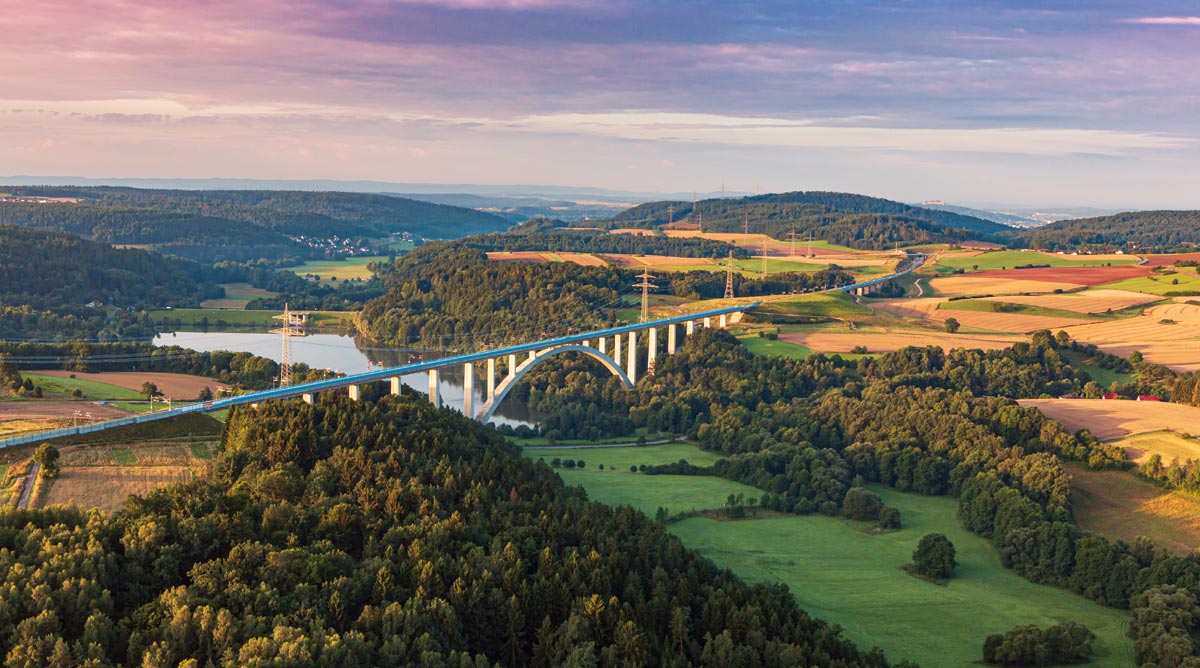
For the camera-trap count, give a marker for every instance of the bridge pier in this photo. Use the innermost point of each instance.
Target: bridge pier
(491, 382)
(512, 365)
(308, 398)
(355, 392)
(651, 351)
(691, 327)
(724, 321)
(670, 339)
(632, 370)
(708, 323)
(617, 348)
(394, 381)
(469, 389)
(602, 344)
(435, 391)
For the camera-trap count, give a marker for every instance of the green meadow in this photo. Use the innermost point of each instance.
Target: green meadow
(828, 304)
(1011, 259)
(55, 387)
(352, 268)
(1160, 284)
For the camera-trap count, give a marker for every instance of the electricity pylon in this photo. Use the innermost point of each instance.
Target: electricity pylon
(646, 286)
(288, 330)
(729, 277)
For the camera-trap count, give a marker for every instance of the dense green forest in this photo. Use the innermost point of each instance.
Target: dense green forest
(1144, 231)
(377, 534)
(856, 221)
(450, 296)
(553, 235)
(250, 218)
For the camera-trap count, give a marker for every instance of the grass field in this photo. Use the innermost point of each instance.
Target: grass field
(538, 441)
(763, 346)
(1170, 445)
(826, 304)
(1160, 284)
(990, 306)
(349, 269)
(56, 387)
(1011, 259)
(1105, 377)
(853, 579)
(1122, 506)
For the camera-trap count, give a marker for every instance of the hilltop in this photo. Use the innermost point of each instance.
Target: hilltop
(212, 225)
(852, 220)
(1140, 230)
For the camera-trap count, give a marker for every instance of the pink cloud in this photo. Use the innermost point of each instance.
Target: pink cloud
(1167, 20)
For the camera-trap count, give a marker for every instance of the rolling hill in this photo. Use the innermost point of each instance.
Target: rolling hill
(1140, 230)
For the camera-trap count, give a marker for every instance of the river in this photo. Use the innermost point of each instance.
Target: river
(342, 354)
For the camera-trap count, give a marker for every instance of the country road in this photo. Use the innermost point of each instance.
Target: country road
(27, 485)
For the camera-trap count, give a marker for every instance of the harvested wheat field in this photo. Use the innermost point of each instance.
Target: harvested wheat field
(657, 260)
(19, 426)
(839, 342)
(107, 487)
(1089, 301)
(1012, 323)
(1168, 334)
(1121, 506)
(538, 257)
(976, 284)
(1169, 445)
(177, 385)
(922, 307)
(1118, 418)
(729, 238)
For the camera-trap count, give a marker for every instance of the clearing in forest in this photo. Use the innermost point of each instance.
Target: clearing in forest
(1117, 418)
(103, 476)
(1121, 506)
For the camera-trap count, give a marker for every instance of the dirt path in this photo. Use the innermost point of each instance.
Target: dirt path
(27, 485)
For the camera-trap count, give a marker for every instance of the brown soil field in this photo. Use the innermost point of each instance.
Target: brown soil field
(632, 230)
(1013, 323)
(1077, 275)
(977, 284)
(233, 304)
(38, 408)
(835, 342)
(1120, 506)
(1088, 301)
(1169, 260)
(1118, 418)
(107, 487)
(1173, 344)
(657, 260)
(538, 257)
(175, 385)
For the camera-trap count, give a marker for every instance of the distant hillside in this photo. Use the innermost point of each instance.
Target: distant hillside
(238, 224)
(518, 209)
(1135, 230)
(1009, 219)
(852, 220)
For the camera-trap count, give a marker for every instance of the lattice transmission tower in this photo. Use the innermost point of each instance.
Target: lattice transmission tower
(293, 325)
(646, 287)
(729, 277)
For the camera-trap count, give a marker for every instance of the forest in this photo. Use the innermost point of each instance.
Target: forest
(381, 533)
(1141, 231)
(554, 235)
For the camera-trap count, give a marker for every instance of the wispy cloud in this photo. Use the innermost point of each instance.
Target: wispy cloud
(1167, 20)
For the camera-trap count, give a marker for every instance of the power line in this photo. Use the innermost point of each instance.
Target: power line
(645, 285)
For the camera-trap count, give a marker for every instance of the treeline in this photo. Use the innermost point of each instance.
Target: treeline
(557, 239)
(240, 370)
(1140, 231)
(450, 297)
(381, 533)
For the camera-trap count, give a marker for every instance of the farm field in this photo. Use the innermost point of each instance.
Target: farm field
(211, 318)
(1009, 259)
(17, 426)
(59, 384)
(1168, 334)
(353, 268)
(1097, 300)
(844, 342)
(1161, 283)
(617, 486)
(851, 578)
(103, 477)
(1110, 420)
(1122, 506)
(826, 304)
(782, 346)
(175, 385)
(659, 261)
(1170, 445)
(237, 296)
(1170, 259)
(1019, 281)
(582, 259)
(978, 314)
(1105, 377)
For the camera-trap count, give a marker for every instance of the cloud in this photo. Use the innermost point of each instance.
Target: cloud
(756, 131)
(1167, 20)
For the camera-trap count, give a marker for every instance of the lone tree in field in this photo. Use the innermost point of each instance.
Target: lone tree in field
(934, 557)
(862, 504)
(46, 456)
(952, 325)
(150, 390)
(206, 394)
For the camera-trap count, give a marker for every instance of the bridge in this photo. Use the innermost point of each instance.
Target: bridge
(617, 348)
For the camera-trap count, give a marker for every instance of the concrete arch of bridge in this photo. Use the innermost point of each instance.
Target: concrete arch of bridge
(510, 381)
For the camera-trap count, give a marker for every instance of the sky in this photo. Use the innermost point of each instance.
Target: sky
(1067, 103)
